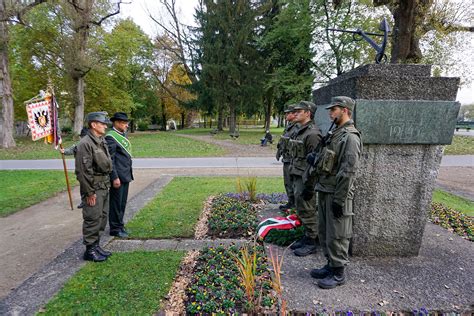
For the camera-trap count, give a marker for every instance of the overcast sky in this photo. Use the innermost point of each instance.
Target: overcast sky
(137, 10)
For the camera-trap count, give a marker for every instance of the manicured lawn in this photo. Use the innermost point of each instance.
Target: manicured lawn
(131, 283)
(28, 149)
(175, 210)
(144, 144)
(23, 188)
(461, 145)
(166, 144)
(453, 201)
(246, 136)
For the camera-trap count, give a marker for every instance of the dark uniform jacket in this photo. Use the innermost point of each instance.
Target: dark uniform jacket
(122, 161)
(93, 164)
(283, 147)
(303, 142)
(339, 162)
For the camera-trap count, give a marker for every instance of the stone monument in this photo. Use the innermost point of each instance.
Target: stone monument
(405, 115)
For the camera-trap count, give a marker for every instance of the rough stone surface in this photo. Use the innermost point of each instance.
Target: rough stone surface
(395, 181)
(386, 70)
(438, 279)
(394, 190)
(389, 82)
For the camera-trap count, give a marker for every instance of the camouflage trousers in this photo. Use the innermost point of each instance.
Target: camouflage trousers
(95, 217)
(334, 233)
(306, 210)
(288, 183)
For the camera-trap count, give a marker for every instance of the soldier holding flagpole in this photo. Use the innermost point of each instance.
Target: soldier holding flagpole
(93, 167)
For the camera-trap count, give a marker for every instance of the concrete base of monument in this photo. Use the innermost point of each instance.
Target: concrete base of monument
(438, 279)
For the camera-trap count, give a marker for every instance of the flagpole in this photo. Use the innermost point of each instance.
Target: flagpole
(67, 177)
(57, 138)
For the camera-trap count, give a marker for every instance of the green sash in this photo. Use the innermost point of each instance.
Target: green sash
(121, 140)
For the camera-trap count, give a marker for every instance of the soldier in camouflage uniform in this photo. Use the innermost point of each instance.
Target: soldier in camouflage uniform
(303, 142)
(284, 153)
(93, 167)
(336, 168)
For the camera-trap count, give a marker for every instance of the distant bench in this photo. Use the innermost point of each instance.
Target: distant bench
(464, 125)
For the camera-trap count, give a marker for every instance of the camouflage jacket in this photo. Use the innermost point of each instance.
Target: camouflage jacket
(336, 170)
(93, 164)
(303, 142)
(283, 144)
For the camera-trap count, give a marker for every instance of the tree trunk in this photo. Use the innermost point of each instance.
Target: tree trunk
(281, 122)
(163, 115)
(78, 67)
(79, 105)
(7, 118)
(232, 120)
(268, 109)
(220, 118)
(183, 116)
(408, 16)
(191, 115)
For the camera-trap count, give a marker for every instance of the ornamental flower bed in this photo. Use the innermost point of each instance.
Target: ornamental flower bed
(461, 224)
(216, 285)
(231, 217)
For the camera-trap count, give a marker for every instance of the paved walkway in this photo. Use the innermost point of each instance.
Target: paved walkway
(212, 162)
(35, 264)
(33, 241)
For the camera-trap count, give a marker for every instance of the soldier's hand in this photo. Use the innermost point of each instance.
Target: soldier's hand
(337, 210)
(91, 200)
(307, 194)
(116, 183)
(278, 155)
(311, 158)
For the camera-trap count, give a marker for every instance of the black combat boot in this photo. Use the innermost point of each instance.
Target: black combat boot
(285, 206)
(92, 254)
(308, 248)
(299, 243)
(331, 281)
(103, 252)
(321, 273)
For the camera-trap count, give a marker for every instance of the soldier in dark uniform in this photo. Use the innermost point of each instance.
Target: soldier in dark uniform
(284, 153)
(120, 150)
(336, 168)
(303, 142)
(93, 167)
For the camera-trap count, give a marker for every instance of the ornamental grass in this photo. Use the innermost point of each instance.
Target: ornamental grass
(216, 286)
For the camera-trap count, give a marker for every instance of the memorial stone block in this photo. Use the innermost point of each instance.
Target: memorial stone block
(404, 116)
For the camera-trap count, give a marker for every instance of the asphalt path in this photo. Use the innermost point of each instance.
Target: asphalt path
(464, 133)
(190, 163)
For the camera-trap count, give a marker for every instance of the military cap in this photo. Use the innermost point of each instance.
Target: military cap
(98, 117)
(343, 102)
(306, 106)
(120, 116)
(290, 108)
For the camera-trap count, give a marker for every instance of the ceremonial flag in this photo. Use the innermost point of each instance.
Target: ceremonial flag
(278, 222)
(56, 133)
(39, 119)
(43, 120)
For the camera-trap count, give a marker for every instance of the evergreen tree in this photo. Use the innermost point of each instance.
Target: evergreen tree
(230, 71)
(286, 46)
